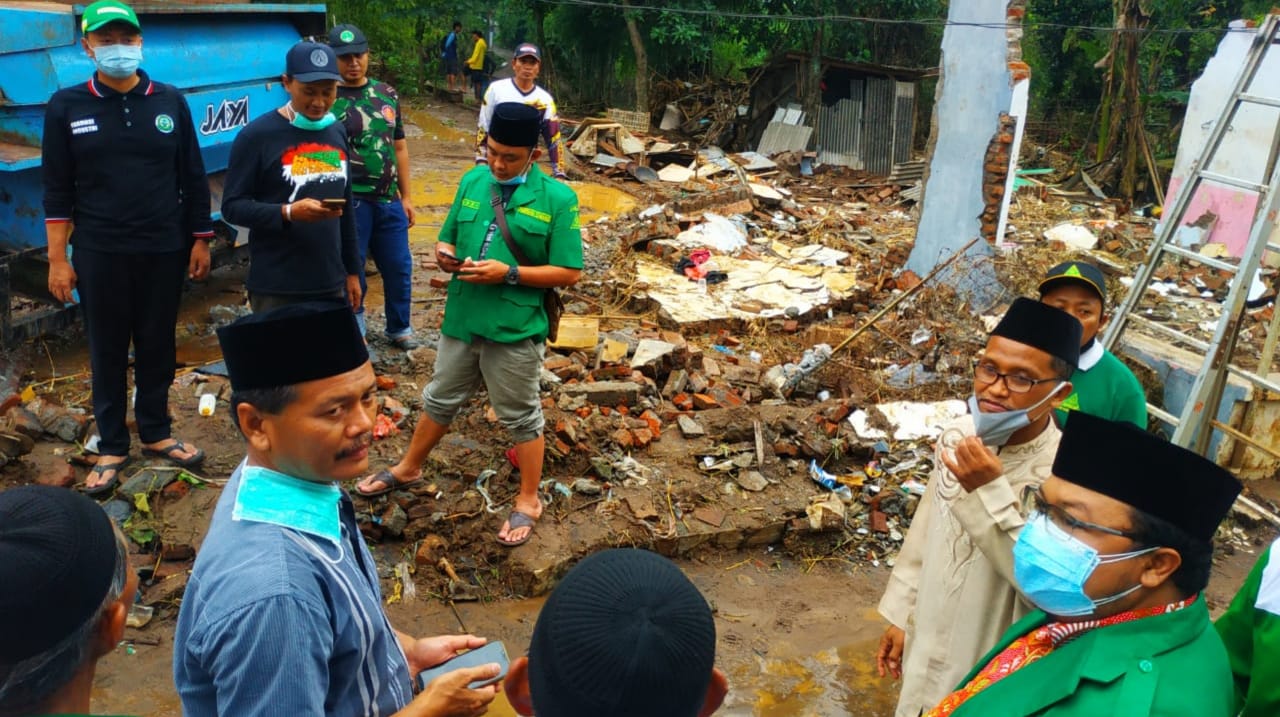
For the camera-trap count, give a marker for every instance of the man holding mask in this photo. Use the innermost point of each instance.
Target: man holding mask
(1115, 554)
(951, 593)
(288, 182)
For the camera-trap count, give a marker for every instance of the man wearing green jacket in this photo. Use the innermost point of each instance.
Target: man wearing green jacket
(1250, 629)
(1116, 554)
(1102, 384)
(495, 323)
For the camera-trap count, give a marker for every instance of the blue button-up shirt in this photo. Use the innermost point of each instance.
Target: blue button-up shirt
(285, 621)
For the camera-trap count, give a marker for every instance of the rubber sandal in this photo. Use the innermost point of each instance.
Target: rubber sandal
(177, 447)
(388, 482)
(110, 486)
(517, 519)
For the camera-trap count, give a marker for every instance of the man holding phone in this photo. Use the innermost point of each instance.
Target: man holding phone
(283, 611)
(288, 182)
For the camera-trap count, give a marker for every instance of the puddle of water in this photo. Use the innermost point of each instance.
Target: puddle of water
(597, 200)
(831, 682)
(433, 129)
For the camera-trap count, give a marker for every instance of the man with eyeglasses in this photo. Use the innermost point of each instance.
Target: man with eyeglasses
(1115, 554)
(951, 593)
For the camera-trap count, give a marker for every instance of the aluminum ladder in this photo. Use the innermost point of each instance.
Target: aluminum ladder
(1194, 427)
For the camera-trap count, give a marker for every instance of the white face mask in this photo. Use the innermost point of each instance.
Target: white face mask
(995, 429)
(118, 62)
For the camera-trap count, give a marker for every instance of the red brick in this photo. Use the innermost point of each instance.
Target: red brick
(791, 326)
(583, 412)
(879, 522)
(682, 401)
(385, 383)
(642, 437)
(561, 447)
(623, 409)
(440, 281)
(702, 402)
(176, 490)
(605, 410)
(623, 438)
(830, 429)
(655, 423)
(783, 448)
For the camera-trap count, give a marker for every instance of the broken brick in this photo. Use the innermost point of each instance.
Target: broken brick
(642, 437)
(791, 326)
(784, 448)
(675, 383)
(698, 383)
(176, 490)
(655, 423)
(440, 281)
(702, 402)
(623, 438)
(682, 401)
(879, 521)
(566, 432)
(385, 383)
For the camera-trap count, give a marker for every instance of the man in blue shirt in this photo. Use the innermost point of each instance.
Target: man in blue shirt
(283, 610)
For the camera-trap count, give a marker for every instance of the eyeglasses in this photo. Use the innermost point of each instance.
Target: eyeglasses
(1033, 498)
(986, 373)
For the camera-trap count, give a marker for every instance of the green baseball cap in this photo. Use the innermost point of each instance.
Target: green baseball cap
(105, 11)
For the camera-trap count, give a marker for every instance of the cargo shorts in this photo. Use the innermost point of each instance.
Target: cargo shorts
(512, 373)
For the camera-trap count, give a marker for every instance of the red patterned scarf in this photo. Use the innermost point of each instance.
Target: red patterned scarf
(1035, 645)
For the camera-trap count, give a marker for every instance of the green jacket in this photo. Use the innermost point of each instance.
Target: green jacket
(1109, 390)
(1250, 629)
(1170, 665)
(543, 216)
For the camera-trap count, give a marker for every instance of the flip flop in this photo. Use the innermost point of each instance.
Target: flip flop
(516, 519)
(388, 482)
(110, 486)
(177, 447)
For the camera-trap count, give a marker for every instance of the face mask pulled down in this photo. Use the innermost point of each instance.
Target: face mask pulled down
(516, 180)
(1051, 568)
(302, 121)
(118, 62)
(995, 429)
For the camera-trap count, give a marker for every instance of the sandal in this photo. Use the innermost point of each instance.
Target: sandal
(387, 480)
(110, 486)
(176, 447)
(516, 520)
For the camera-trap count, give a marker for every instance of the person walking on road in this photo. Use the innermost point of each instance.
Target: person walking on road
(124, 184)
(523, 88)
(379, 167)
(475, 64)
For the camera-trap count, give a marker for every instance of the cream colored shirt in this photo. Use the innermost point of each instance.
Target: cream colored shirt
(952, 589)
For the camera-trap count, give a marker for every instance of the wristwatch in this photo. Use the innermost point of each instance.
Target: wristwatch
(513, 275)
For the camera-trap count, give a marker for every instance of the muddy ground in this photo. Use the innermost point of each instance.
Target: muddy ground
(796, 618)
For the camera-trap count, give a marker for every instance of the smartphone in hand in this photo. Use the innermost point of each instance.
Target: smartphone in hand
(333, 203)
(490, 652)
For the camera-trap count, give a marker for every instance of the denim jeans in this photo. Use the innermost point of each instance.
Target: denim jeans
(383, 232)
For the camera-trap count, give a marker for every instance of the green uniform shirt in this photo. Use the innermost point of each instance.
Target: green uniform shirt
(543, 216)
(1250, 629)
(371, 114)
(1167, 665)
(1107, 389)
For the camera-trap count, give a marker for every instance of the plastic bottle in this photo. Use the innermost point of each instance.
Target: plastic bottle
(208, 402)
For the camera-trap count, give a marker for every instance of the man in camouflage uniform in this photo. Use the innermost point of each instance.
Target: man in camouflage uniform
(379, 164)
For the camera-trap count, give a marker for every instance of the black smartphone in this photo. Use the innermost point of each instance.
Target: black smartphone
(334, 203)
(490, 652)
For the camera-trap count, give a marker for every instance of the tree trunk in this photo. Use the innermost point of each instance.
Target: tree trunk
(813, 84)
(1122, 100)
(540, 32)
(642, 60)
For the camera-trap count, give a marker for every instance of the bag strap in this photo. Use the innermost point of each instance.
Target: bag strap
(500, 218)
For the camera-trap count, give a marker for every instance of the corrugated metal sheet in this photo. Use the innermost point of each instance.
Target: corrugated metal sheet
(904, 120)
(877, 139)
(781, 137)
(839, 132)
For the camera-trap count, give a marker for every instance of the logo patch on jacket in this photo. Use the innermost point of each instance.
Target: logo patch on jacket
(164, 123)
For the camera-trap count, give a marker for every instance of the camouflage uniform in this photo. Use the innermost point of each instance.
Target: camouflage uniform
(371, 115)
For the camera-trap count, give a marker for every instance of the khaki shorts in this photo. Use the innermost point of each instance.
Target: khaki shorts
(512, 373)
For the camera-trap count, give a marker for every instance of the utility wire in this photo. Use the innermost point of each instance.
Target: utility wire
(921, 22)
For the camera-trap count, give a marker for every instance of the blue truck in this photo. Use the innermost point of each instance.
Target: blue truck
(226, 58)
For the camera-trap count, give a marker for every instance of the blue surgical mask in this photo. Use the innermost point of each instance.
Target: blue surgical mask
(118, 62)
(519, 178)
(1051, 567)
(301, 121)
(267, 496)
(995, 429)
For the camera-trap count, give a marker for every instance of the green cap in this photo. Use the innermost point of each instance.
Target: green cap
(105, 11)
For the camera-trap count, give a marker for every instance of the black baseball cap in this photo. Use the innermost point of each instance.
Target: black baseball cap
(348, 40)
(1078, 272)
(528, 49)
(311, 62)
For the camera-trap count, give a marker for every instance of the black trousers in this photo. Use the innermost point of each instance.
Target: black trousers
(130, 298)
